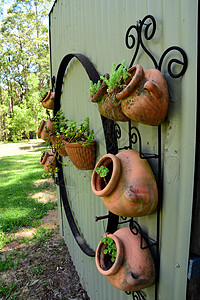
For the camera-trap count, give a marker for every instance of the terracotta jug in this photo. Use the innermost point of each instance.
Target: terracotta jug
(133, 268)
(58, 144)
(129, 189)
(145, 98)
(45, 129)
(107, 104)
(48, 100)
(48, 160)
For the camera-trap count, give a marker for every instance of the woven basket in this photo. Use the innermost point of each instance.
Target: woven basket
(83, 158)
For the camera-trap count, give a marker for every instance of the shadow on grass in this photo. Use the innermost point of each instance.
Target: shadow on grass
(17, 209)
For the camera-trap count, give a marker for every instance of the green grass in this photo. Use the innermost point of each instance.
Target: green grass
(17, 209)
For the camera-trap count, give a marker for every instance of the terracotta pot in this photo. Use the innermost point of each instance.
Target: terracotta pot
(83, 158)
(45, 129)
(48, 161)
(133, 268)
(107, 103)
(48, 100)
(58, 144)
(130, 189)
(145, 98)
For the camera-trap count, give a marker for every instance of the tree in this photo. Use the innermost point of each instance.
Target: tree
(24, 63)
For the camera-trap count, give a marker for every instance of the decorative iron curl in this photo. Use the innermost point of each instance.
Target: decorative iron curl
(137, 295)
(130, 42)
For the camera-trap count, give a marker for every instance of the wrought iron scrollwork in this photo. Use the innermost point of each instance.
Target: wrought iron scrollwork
(137, 295)
(136, 229)
(148, 25)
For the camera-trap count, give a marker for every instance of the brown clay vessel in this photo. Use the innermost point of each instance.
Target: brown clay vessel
(108, 106)
(133, 268)
(145, 98)
(58, 144)
(48, 100)
(129, 189)
(48, 160)
(45, 129)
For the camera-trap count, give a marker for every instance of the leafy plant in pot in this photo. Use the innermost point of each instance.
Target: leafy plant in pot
(132, 267)
(104, 93)
(80, 144)
(141, 95)
(59, 125)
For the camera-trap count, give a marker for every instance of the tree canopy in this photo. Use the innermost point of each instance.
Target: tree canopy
(24, 66)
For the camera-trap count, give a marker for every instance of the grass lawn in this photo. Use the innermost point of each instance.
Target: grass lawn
(17, 208)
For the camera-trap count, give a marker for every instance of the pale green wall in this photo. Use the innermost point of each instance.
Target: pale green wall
(97, 29)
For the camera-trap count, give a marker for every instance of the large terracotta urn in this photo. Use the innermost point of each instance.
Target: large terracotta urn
(145, 97)
(133, 268)
(46, 129)
(129, 188)
(48, 160)
(108, 106)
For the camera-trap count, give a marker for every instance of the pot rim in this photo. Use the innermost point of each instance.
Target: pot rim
(119, 258)
(135, 81)
(41, 127)
(114, 177)
(44, 157)
(77, 145)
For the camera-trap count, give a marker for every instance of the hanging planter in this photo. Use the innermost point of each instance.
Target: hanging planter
(45, 129)
(129, 188)
(82, 156)
(132, 268)
(48, 160)
(145, 98)
(48, 100)
(58, 144)
(107, 104)
(132, 94)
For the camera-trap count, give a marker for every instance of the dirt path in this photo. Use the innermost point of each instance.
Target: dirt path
(41, 271)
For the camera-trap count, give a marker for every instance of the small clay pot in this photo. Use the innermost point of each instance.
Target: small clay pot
(145, 98)
(45, 129)
(48, 100)
(48, 160)
(108, 105)
(83, 158)
(58, 144)
(133, 268)
(129, 189)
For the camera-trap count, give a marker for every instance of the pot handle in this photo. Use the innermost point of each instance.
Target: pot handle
(153, 89)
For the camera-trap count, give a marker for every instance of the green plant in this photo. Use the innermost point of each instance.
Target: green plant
(117, 77)
(6, 289)
(41, 234)
(94, 87)
(78, 133)
(111, 248)
(102, 171)
(115, 81)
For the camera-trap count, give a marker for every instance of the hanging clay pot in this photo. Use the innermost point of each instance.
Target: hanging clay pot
(45, 129)
(129, 189)
(48, 160)
(108, 106)
(48, 100)
(133, 268)
(83, 158)
(58, 144)
(145, 98)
